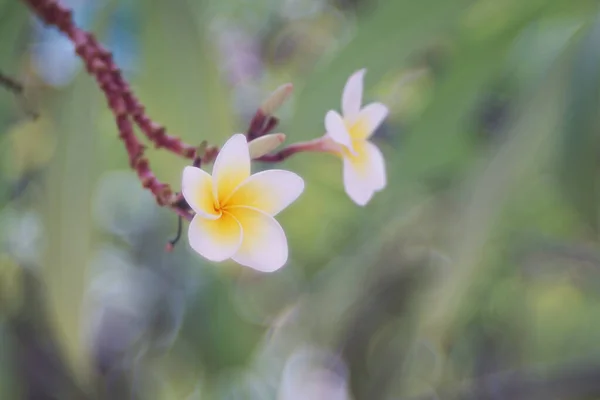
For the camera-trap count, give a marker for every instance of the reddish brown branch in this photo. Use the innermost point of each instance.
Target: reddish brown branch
(122, 102)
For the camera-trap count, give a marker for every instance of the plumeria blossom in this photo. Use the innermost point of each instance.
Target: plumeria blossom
(364, 166)
(235, 210)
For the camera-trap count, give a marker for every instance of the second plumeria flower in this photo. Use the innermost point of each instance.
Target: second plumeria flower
(235, 210)
(364, 166)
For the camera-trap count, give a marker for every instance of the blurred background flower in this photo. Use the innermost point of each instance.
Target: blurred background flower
(314, 374)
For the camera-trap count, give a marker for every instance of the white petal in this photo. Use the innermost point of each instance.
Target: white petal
(352, 95)
(376, 170)
(336, 129)
(197, 189)
(216, 240)
(364, 173)
(370, 117)
(232, 166)
(269, 191)
(357, 188)
(264, 245)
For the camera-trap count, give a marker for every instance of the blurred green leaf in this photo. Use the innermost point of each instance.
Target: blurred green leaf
(441, 140)
(180, 82)
(528, 138)
(66, 206)
(13, 22)
(580, 143)
(13, 18)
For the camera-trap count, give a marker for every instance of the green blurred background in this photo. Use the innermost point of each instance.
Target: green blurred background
(474, 275)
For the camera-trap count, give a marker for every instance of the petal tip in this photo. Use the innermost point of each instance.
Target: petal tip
(352, 93)
(189, 169)
(361, 202)
(361, 198)
(300, 185)
(267, 268)
(359, 76)
(332, 114)
(238, 136)
(264, 265)
(385, 110)
(235, 139)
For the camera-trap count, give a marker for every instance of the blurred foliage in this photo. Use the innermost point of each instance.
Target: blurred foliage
(480, 257)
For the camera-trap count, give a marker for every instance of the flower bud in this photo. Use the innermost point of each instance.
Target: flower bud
(265, 144)
(276, 99)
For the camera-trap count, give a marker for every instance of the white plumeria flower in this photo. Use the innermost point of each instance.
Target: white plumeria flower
(235, 210)
(364, 166)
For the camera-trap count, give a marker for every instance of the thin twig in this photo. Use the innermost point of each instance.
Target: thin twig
(17, 88)
(11, 84)
(174, 241)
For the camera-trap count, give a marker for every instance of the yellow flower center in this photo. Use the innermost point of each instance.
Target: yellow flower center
(217, 208)
(359, 130)
(224, 202)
